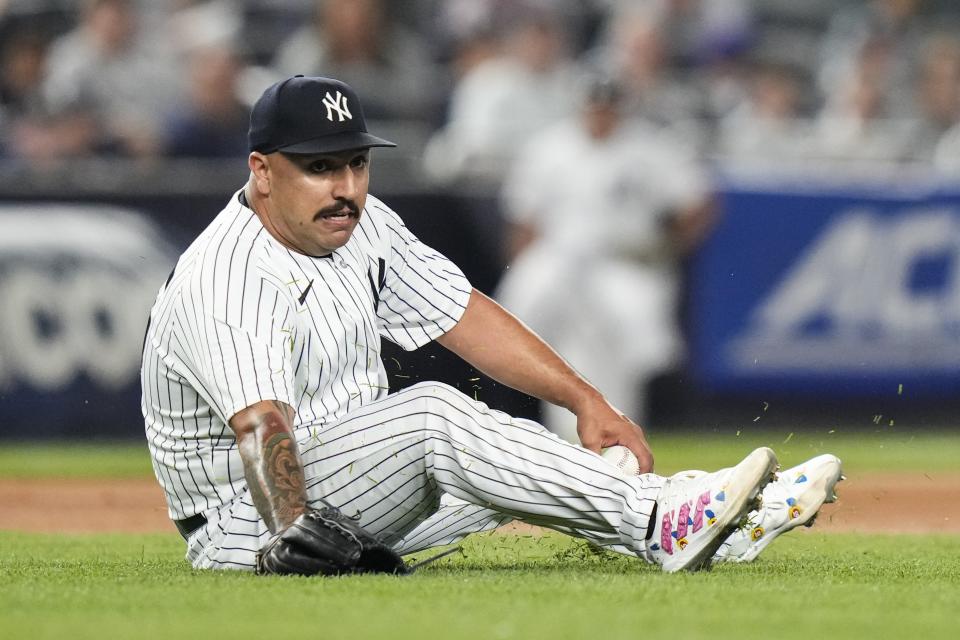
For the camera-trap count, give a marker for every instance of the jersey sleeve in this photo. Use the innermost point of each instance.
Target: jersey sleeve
(424, 294)
(245, 369)
(238, 364)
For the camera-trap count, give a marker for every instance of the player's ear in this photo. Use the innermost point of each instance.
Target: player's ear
(260, 171)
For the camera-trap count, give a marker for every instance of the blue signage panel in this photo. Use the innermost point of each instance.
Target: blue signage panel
(76, 283)
(830, 291)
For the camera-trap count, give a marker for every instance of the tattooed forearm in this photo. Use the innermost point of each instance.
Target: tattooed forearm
(271, 463)
(285, 410)
(282, 480)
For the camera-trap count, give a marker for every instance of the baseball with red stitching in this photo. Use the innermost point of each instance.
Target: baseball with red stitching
(623, 459)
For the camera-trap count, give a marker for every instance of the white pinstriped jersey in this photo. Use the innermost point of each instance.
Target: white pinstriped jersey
(244, 319)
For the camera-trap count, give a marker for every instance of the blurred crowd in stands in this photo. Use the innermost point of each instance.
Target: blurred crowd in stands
(466, 82)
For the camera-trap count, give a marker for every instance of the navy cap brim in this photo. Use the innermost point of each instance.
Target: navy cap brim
(337, 142)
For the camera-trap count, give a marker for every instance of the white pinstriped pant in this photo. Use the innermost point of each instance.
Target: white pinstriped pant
(390, 462)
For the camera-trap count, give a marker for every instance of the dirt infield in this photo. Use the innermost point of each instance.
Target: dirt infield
(869, 503)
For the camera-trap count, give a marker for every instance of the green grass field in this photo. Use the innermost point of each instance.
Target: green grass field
(807, 585)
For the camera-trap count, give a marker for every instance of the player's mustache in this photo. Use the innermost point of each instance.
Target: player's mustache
(338, 207)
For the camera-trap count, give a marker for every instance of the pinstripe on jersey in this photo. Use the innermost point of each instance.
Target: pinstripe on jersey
(390, 462)
(244, 319)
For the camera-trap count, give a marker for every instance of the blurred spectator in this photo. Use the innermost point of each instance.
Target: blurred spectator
(22, 63)
(204, 24)
(896, 26)
(468, 33)
(714, 41)
(121, 76)
(938, 94)
(946, 100)
(697, 31)
(858, 122)
(504, 100)
(602, 209)
(353, 40)
(767, 125)
(27, 131)
(212, 122)
(469, 30)
(635, 51)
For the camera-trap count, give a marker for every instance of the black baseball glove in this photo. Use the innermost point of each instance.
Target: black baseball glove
(326, 542)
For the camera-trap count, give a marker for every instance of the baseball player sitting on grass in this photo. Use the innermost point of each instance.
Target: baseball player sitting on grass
(266, 405)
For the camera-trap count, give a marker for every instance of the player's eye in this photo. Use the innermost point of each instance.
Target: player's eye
(318, 167)
(358, 162)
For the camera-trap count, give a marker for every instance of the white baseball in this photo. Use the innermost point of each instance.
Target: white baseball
(623, 459)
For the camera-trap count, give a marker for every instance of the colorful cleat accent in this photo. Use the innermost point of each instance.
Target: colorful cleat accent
(792, 500)
(688, 543)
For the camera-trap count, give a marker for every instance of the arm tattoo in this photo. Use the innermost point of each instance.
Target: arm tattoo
(273, 469)
(283, 479)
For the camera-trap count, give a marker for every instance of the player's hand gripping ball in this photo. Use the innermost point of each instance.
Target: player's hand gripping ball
(326, 542)
(623, 459)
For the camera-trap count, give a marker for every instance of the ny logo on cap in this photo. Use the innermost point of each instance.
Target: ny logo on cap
(338, 104)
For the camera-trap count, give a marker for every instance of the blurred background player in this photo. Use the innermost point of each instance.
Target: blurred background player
(602, 209)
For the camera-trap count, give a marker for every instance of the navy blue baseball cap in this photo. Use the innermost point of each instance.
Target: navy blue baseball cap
(309, 115)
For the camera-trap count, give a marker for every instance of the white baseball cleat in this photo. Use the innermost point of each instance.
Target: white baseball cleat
(696, 513)
(793, 499)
